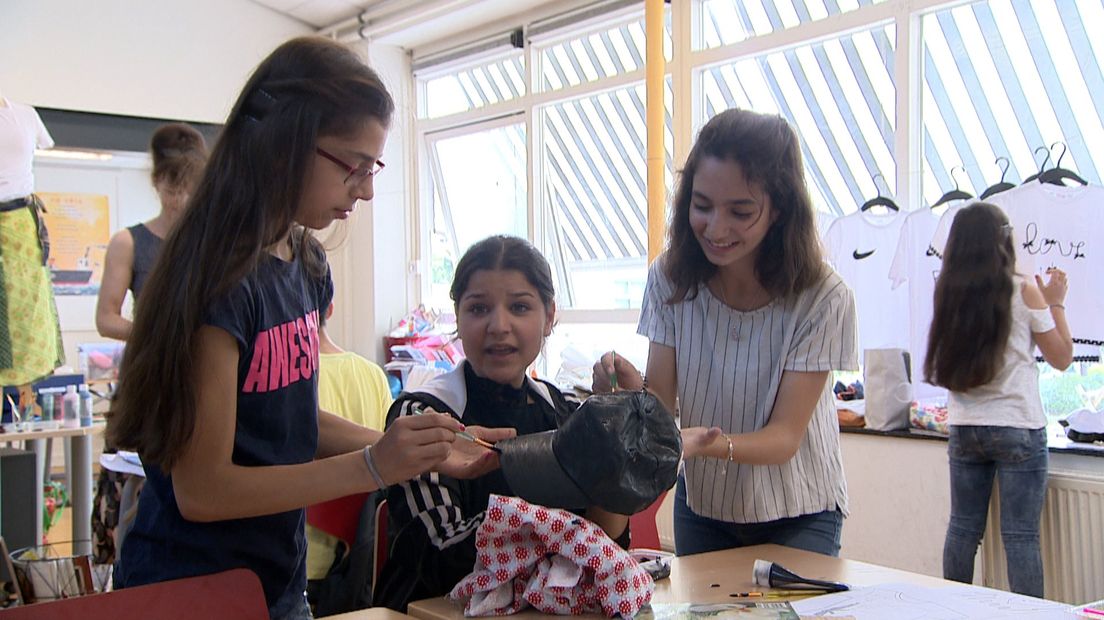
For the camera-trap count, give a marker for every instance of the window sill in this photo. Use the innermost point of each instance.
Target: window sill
(1056, 444)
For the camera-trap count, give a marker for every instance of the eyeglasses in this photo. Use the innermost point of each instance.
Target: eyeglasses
(355, 174)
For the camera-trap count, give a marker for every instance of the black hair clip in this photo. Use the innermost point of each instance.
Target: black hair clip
(258, 104)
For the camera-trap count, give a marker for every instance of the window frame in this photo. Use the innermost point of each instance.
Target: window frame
(684, 68)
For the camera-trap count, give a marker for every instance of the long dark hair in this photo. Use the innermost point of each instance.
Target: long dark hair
(973, 300)
(246, 201)
(768, 152)
(504, 252)
(179, 154)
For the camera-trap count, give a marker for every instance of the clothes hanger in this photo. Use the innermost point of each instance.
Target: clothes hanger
(879, 200)
(1001, 185)
(1058, 174)
(1042, 166)
(954, 194)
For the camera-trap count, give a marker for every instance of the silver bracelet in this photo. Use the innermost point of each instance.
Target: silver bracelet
(370, 462)
(1057, 306)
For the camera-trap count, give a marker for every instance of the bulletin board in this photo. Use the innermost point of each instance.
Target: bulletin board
(79, 226)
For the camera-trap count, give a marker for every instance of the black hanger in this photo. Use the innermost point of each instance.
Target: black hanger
(879, 200)
(1057, 174)
(954, 194)
(999, 186)
(1042, 166)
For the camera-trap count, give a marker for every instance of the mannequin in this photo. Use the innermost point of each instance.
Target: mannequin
(30, 337)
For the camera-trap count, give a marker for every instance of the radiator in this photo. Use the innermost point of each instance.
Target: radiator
(1071, 537)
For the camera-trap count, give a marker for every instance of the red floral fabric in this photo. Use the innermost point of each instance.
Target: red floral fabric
(550, 559)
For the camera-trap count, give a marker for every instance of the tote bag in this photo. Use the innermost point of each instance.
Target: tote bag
(888, 389)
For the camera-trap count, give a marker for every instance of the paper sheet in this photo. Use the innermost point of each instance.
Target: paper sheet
(910, 602)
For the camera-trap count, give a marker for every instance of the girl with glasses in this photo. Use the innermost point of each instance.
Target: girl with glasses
(219, 381)
(746, 323)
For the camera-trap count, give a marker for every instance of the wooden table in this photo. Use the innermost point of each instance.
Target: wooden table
(78, 467)
(711, 577)
(372, 613)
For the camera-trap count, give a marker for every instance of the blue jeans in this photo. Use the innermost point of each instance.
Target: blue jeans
(818, 532)
(300, 610)
(1019, 458)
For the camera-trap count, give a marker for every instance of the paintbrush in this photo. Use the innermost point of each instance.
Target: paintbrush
(14, 412)
(419, 409)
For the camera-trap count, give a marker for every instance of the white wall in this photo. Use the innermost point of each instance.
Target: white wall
(900, 501)
(372, 287)
(900, 497)
(181, 59)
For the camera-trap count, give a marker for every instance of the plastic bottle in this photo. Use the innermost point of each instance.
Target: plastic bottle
(47, 406)
(85, 405)
(71, 407)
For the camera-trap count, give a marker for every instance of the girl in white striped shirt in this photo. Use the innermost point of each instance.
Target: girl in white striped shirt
(746, 323)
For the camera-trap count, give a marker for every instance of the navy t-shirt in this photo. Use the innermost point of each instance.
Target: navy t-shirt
(273, 314)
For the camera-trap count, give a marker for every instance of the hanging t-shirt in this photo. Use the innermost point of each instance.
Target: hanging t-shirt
(943, 228)
(21, 132)
(824, 221)
(861, 246)
(915, 268)
(1059, 226)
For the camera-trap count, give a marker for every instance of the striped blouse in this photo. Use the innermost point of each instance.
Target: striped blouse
(729, 367)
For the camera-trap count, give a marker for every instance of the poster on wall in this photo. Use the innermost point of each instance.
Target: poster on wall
(79, 228)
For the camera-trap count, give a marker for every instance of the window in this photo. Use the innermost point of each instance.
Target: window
(595, 197)
(1010, 79)
(603, 53)
(839, 96)
(478, 191)
(587, 173)
(723, 22)
(477, 86)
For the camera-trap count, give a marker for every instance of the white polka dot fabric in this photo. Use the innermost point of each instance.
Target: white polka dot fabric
(552, 560)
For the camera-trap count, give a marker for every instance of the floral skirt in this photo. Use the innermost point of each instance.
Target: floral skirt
(30, 335)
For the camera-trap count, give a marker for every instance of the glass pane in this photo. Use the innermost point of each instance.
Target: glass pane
(600, 54)
(722, 22)
(474, 87)
(839, 96)
(1002, 79)
(1079, 387)
(570, 352)
(483, 178)
(595, 196)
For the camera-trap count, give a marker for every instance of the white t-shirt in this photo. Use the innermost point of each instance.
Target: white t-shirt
(916, 267)
(943, 228)
(1059, 226)
(21, 131)
(1012, 397)
(861, 246)
(824, 221)
(729, 367)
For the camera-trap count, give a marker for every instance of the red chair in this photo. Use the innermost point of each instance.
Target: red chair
(341, 517)
(644, 531)
(231, 595)
(338, 517)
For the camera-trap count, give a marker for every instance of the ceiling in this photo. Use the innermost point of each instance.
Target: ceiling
(408, 23)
